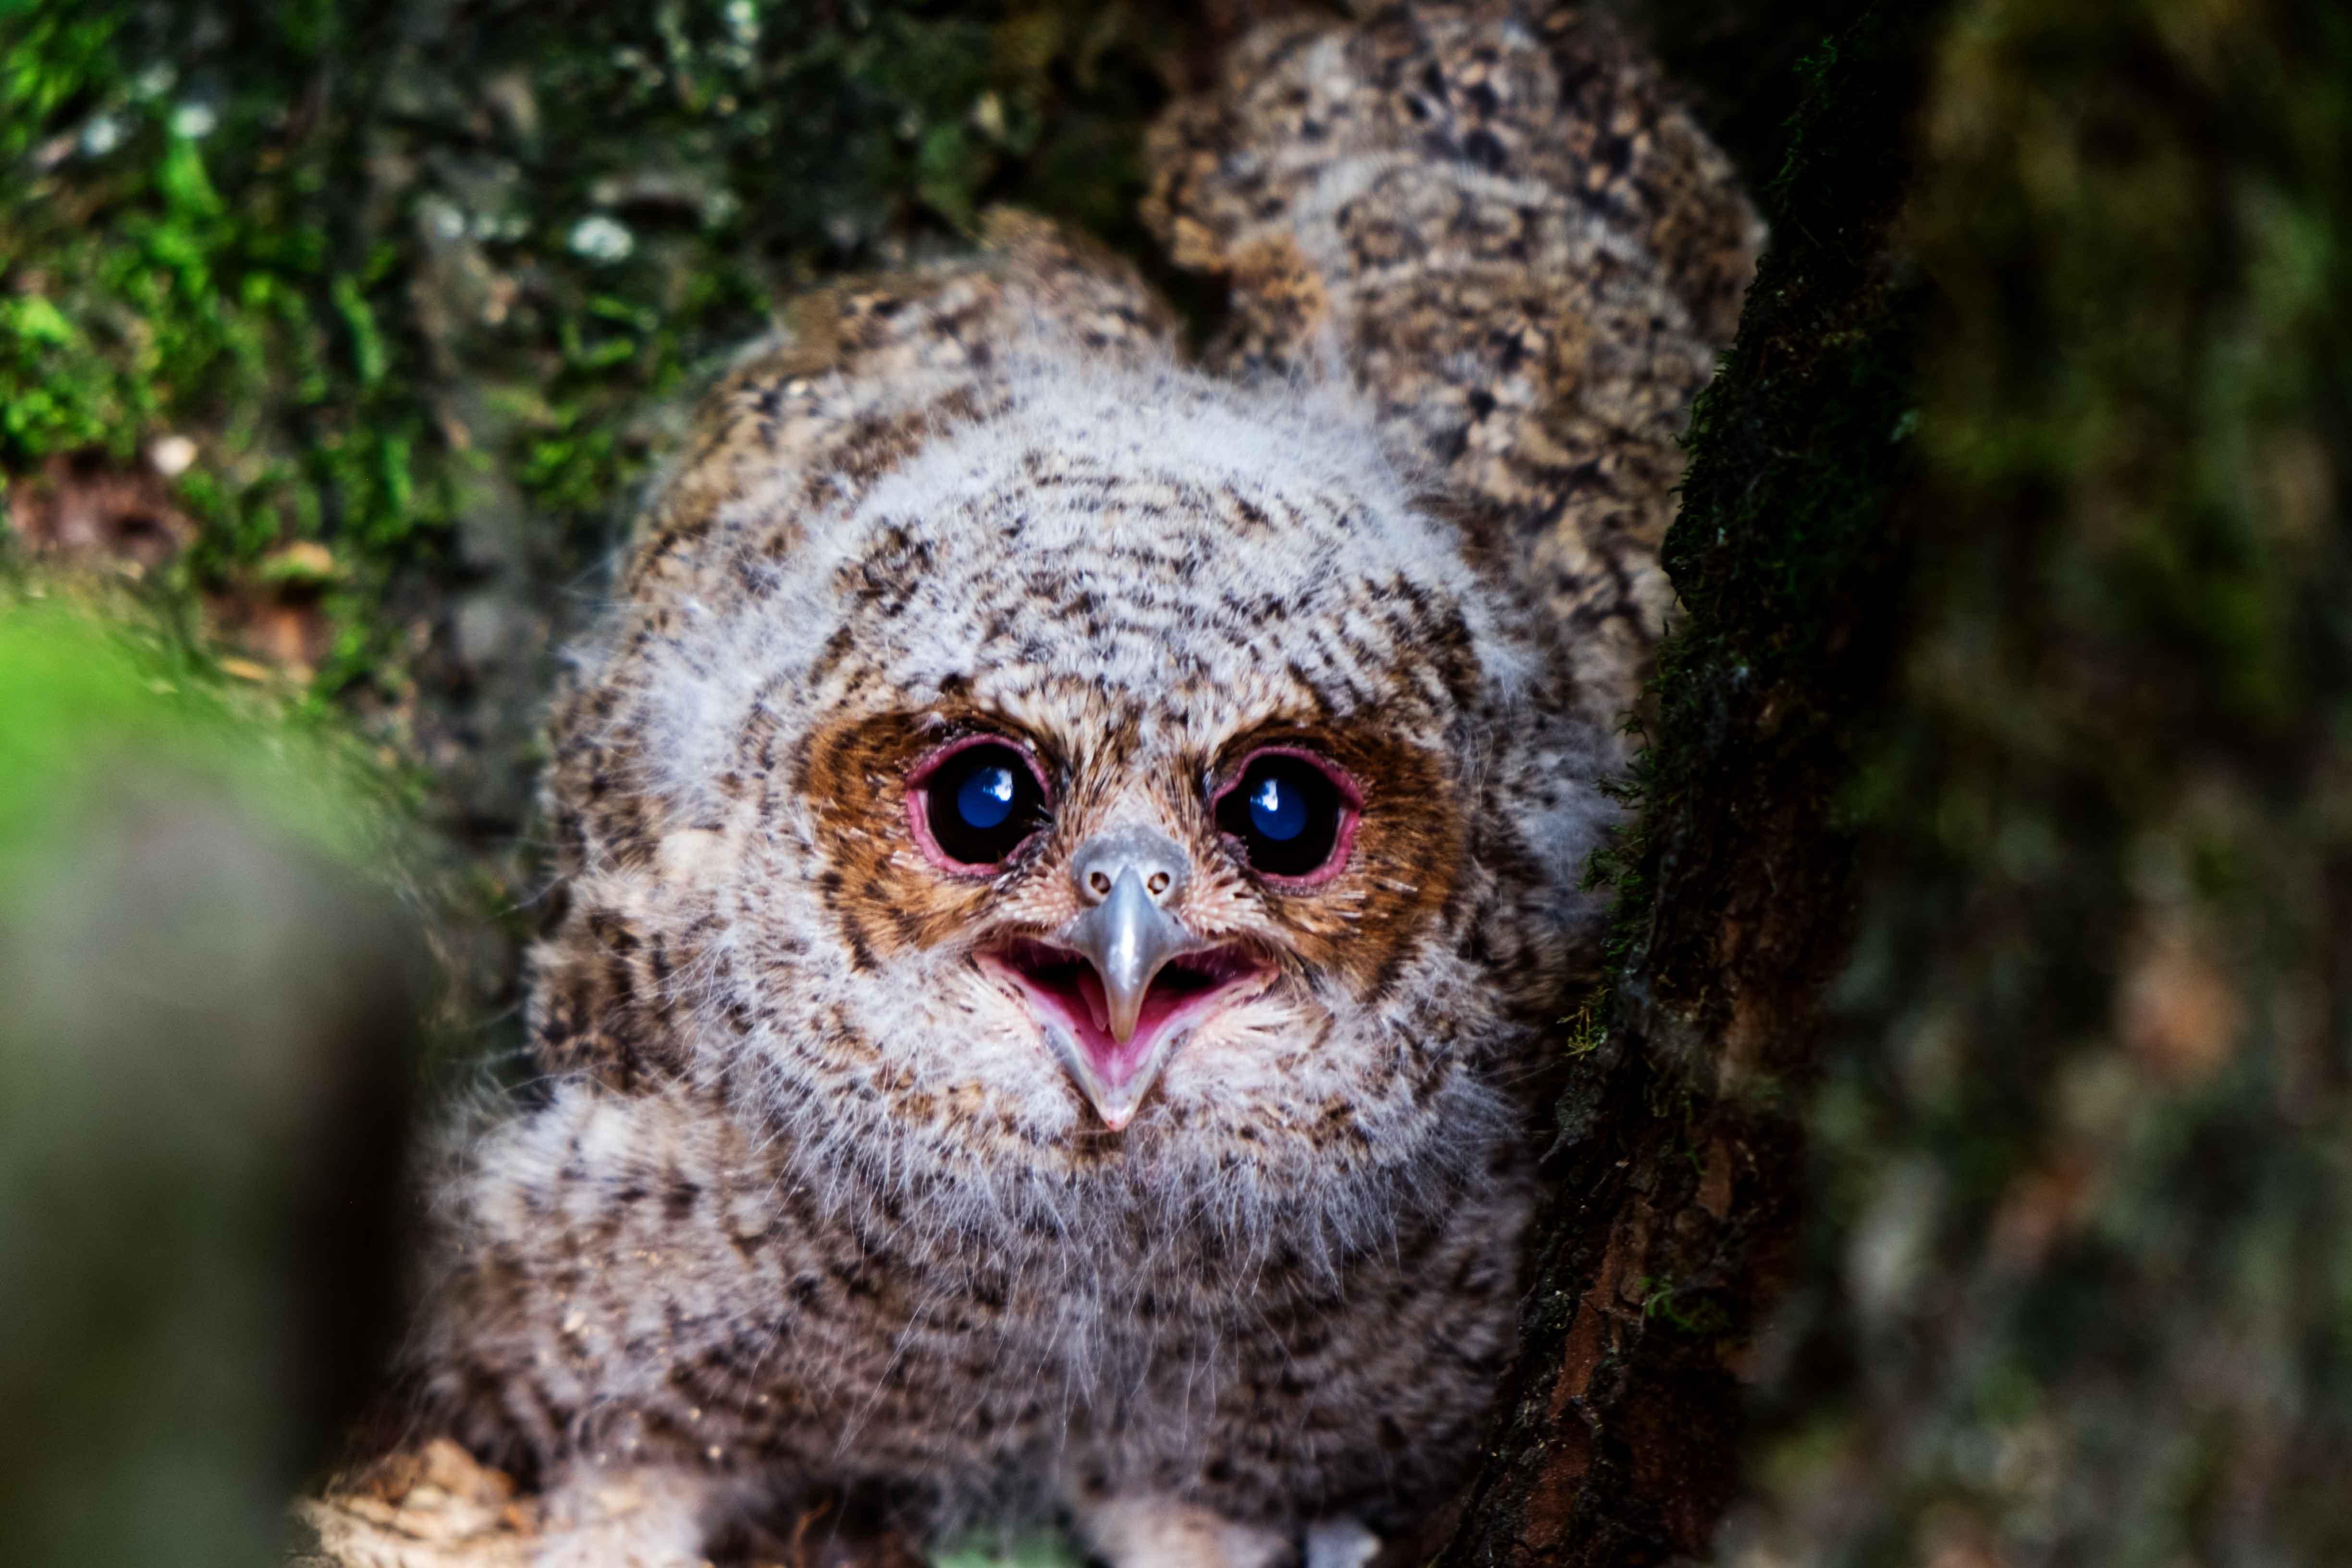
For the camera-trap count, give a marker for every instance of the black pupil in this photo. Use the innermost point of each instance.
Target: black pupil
(1285, 812)
(983, 802)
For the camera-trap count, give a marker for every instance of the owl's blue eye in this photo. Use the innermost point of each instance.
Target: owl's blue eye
(985, 797)
(981, 802)
(1285, 814)
(1277, 808)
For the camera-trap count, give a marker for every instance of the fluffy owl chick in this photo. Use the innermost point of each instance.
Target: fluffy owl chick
(1067, 859)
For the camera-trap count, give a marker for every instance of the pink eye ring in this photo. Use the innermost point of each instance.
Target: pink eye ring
(975, 801)
(1292, 814)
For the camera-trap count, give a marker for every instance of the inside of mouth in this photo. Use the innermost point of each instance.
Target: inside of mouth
(1066, 984)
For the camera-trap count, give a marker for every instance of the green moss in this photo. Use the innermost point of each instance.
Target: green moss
(389, 265)
(170, 270)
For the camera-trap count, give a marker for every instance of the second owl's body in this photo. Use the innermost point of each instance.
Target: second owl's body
(1069, 855)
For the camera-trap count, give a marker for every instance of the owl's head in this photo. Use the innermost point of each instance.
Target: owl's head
(1132, 778)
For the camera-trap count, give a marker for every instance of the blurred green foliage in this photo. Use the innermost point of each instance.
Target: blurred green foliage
(92, 700)
(207, 1055)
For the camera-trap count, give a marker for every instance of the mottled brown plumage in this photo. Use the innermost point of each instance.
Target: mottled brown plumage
(819, 1192)
(1522, 248)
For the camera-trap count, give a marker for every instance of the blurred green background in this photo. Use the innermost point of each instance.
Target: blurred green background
(207, 1058)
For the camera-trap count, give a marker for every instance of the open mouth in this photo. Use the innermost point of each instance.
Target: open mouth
(1062, 989)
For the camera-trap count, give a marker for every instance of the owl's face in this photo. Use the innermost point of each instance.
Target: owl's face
(1120, 785)
(1112, 953)
(1093, 883)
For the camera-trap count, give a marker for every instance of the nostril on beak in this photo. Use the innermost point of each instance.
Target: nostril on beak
(1156, 862)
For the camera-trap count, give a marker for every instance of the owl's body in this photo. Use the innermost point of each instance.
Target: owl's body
(853, 1169)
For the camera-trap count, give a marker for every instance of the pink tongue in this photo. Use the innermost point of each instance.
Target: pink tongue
(1090, 988)
(1115, 1061)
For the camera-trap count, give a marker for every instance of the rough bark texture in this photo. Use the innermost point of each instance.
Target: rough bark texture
(2039, 948)
(1678, 1164)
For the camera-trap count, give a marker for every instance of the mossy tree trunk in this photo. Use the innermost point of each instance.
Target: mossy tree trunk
(1678, 1174)
(1968, 1139)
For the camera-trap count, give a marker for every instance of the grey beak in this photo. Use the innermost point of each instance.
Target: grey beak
(1126, 878)
(1127, 937)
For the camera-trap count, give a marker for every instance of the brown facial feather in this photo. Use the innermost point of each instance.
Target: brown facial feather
(853, 772)
(1401, 869)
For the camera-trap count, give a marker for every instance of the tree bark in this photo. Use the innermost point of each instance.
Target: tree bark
(1962, 1158)
(1677, 1171)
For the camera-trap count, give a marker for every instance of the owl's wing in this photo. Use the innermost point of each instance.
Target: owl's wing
(1523, 251)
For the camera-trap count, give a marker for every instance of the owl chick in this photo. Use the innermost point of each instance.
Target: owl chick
(1068, 854)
